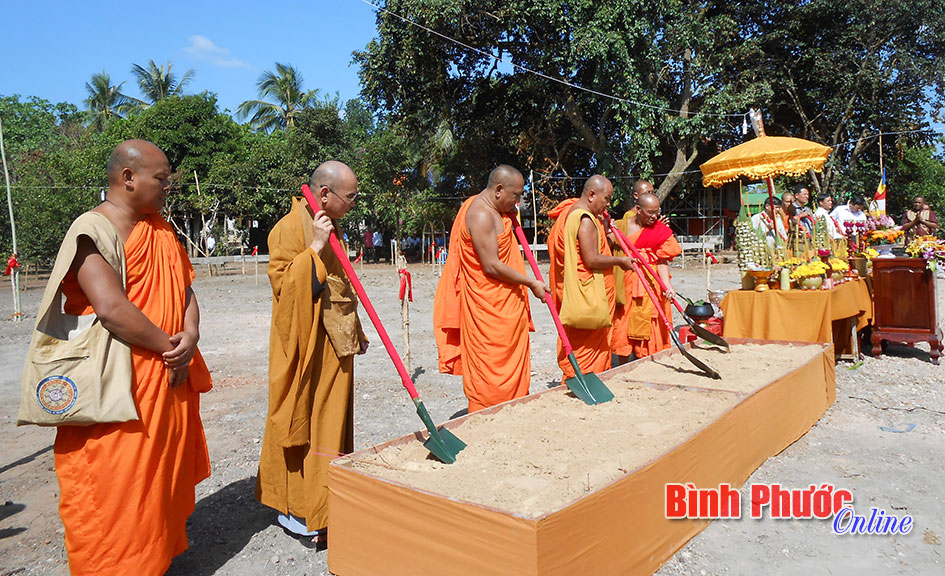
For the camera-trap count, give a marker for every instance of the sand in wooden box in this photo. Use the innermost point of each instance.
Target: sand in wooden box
(549, 485)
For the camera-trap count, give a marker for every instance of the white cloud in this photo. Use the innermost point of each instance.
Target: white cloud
(203, 48)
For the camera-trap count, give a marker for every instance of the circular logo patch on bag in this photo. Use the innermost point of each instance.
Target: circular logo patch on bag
(56, 394)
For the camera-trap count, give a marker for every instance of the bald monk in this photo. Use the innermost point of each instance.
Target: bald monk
(128, 488)
(638, 328)
(641, 187)
(578, 225)
(481, 317)
(314, 336)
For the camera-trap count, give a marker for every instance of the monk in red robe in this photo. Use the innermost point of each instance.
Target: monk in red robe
(481, 317)
(638, 328)
(578, 230)
(128, 488)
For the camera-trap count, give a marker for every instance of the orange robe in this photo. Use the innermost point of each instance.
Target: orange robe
(638, 328)
(128, 488)
(481, 324)
(311, 402)
(591, 347)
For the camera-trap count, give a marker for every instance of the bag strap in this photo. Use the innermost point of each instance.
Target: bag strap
(108, 242)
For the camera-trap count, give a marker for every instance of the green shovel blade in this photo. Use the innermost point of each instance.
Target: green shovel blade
(588, 387)
(442, 443)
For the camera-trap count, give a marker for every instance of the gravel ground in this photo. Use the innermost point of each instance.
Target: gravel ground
(884, 440)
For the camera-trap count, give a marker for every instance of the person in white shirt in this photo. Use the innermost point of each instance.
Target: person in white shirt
(824, 206)
(211, 244)
(852, 212)
(762, 221)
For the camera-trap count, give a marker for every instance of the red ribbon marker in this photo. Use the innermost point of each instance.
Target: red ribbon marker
(406, 284)
(11, 265)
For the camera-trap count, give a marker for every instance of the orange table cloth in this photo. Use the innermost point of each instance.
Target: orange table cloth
(798, 315)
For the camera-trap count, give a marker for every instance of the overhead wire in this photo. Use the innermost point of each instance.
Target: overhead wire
(547, 76)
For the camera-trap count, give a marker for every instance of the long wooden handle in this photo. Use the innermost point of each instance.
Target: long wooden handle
(349, 270)
(629, 248)
(551, 306)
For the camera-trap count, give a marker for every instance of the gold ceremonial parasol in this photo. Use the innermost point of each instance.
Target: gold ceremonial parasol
(764, 158)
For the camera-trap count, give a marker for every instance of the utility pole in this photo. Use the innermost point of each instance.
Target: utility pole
(15, 272)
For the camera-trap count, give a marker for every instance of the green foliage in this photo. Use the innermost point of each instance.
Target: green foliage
(158, 82)
(105, 101)
(920, 172)
(286, 99)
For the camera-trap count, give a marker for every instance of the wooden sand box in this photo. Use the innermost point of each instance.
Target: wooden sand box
(536, 456)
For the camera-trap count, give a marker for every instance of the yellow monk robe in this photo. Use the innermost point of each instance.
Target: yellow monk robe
(311, 373)
(128, 488)
(638, 328)
(481, 324)
(591, 347)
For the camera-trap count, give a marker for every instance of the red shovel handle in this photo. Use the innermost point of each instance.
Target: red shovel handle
(629, 248)
(349, 270)
(531, 260)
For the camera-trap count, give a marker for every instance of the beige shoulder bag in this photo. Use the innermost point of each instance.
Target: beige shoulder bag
(77, 372)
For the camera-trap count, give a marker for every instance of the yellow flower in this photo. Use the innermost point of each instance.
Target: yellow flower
(809, 269)
(839, 265)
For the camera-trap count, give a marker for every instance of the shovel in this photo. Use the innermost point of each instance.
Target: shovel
(587, 387)
(441, 443)
(659, 309)
(698, 330)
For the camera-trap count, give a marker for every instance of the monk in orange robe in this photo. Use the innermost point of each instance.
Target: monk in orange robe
(128, 488)
(578, 227)
(314, 336)
(481, 317)
(638, 328)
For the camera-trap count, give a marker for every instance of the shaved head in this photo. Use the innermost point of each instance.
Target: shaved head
(505, 175)
(648, 209)
(642, 187)
(597, 183)
(129, 154)
(332, 174)
(648, 201)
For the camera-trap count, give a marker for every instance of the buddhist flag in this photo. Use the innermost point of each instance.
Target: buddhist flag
(878, 205)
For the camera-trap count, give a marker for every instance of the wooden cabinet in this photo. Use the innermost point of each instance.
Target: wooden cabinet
(904, 304)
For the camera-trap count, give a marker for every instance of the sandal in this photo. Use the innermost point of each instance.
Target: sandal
(317, 541)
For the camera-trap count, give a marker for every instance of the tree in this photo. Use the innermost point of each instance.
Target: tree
(841, 72)
(105, 101)
(284, 88)
(158, 82)
(659, 61)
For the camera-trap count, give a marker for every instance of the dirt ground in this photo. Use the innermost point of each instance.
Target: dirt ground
(884, 440)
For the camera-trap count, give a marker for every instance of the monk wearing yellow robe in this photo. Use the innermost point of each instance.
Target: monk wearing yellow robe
(638, 328)
(577, 226)
(481, 317)
(314, 336)
(128, 488)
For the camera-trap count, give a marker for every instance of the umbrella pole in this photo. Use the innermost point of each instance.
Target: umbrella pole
(771, 203)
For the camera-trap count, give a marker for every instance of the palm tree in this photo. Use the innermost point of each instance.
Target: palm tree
(157, 82)
(105, 101)
(284, 86)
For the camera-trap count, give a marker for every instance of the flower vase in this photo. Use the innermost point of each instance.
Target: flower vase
(811, 282)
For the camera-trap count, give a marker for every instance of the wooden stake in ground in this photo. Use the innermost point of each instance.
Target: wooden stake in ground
(405, 294)
(15, 272)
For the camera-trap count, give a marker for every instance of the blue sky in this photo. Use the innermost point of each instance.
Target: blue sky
(52, 48)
